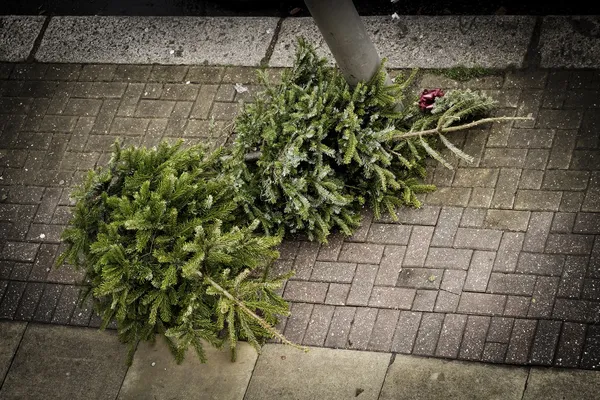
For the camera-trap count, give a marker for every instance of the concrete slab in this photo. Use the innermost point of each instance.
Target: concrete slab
(422, 378)
(154, 374)
(10, 337)
(17, 35)
(559, 384)
(283, 372)
(426, 41)
(161, 40)
(570, 42)
(57, 362)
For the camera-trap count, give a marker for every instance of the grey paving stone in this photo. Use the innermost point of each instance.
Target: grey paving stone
(540, 264)
(542, 301)
(446, 302)
(10, 337)
(585, 160)
(339, 329)
(362, 284)
(556, 384)
(559, 243)
(500, 330)
(507, 220)
(296, 325)
(47, 303)
(591, 352)
(563, 222)
(420, 278)
(428, 334)
(451, 336)
(305, 259)
(447, 225)
(36, 369)
(406, 332)
(563, 42)
(333, 272)
(562, 149)
(327, 373)
(444, 257)
(474, 217)
(576, 310)
(383, 330)
(565, 180)
(516, 284)
(389, 234)
(66, 305)
(545, 341)
(504, 157)
(392, 297)
(591, 289)
(570, 345)
(537, 200)
(481, 303)
(17, 36)
(331, 250)
(312, 292)
(521, 341)
(531, 179)
(494, 352)
(506, 187)
(473, 341)
(592, 196)
(29, 301)
(475, 177)
(425, 300)
(398, 38)
(587, 223)
(360, 234)
(364, 320)
(364, 253)
(517, 306)
(416, 252)
(12, 297)
(571, 201)
(412, 377)
(318, 326)
(170, 41)
(337, 294)
(390, 265)
(426, 215)
(571, 282)
(479, 271)
(479, 239)
(531, 138)
(446, 196)
(537, 233)
(154, 373)
(453, 281)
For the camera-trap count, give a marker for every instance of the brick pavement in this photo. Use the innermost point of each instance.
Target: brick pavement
(501, 265)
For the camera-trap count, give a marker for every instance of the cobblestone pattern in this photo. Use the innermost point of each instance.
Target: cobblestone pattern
(501, 265)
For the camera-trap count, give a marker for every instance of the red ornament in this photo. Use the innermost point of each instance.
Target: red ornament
(428, 98)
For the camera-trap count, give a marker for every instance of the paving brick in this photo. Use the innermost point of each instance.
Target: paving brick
(500, 330)
(542, 300)
(132, 73)
(531, 179)
(44, 260)
(516, 284)
(295, 328)
(540, 264)
(92, 72)
(504, 157)
(318, 326)
(562, 149)
(480, 239)
(29, 301)
(306, 291)
(82, 107)
(506, 188)
(29, 71)
(205, 74)
(591, 352)
(473, 217)
(425, 300)
(545, 341)
(587, 223)
(25, 194)
(507, 220)
(517, 306)
(305, 259)
(20, 271)
(559, 119)
(340, 326)
(129, 126)
(389, 234)
(428, 334)
(179, 91)
(592, 196)
(571, 282)
(364, 253)
(443, 257)
(521, 341)
(570, 345)
(563, 222)
(426, 215)
(479, 271)
(453, 281)
(565, 180)
(587, 135)
(392, 297)
(446, 302)
(333, 271)
(224, 111)
(331, 250)
(526, 79)
(537, 233)
(447, 225)
(473, 341)
(360, 234)
(537, 200)
(66, 305)
(585, 160)
(531, 138)
(481, 303)
(360, 333)
(48, 204)
(390, 266)
(416, 251)
(383, 330)
(154, 108)
(451, 336)
(406, 332)
(420, 278)
(475, 177)
(494, 352)
(591, 289)
(20, 251)
(337, 294)
(560, 243)
(571, 201)
(12, 297)
(225, 93)
(107, 90)
(360, 292)
(449, 196)
(47, 303)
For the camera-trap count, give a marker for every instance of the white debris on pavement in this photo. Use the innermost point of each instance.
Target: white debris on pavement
(240, 88)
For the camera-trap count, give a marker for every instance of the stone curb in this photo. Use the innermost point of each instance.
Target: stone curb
(408, 41)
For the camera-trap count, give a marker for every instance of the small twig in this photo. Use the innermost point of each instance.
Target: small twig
(261, 321)
(252, 156)
(432, 131)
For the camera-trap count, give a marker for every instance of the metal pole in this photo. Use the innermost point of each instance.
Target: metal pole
(345, 34)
